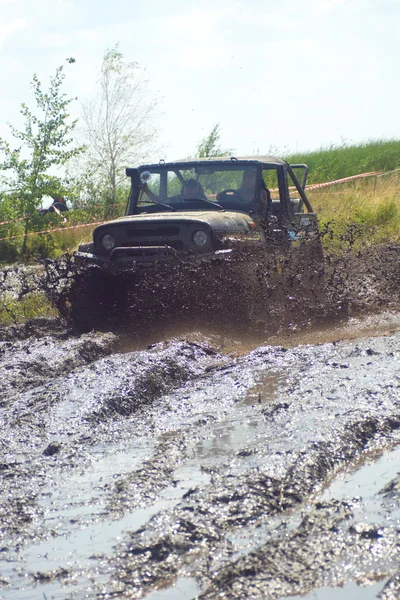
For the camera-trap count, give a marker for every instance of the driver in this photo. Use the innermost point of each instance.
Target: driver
(191, 190)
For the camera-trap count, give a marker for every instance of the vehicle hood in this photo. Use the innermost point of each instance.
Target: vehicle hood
(220, 221)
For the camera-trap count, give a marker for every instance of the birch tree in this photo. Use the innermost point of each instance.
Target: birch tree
(119, 123)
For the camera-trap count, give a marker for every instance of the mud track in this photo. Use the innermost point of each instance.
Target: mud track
(204, 466)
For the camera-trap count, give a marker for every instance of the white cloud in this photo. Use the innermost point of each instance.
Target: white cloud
(69, 39)
(57, 14)
(8, 28)
(324, 5)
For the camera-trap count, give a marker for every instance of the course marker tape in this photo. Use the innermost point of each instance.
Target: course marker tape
(388, 173)
(12, 237)
(13, 220)
(315, 186)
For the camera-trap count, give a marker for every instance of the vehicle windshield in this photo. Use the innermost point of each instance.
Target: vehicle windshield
(198, 188)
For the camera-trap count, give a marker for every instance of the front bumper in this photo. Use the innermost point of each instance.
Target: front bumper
(142, 258)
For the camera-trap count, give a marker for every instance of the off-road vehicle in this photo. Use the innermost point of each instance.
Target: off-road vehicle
(161, 221)
(193, 211)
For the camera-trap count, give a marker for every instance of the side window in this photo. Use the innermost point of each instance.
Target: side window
(153, 184)
(294, 196)
(270, 185)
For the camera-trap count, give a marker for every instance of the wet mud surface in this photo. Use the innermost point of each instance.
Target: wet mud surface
(209, 466)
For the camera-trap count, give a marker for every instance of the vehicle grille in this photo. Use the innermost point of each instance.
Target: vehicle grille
(157, 236)
(154, 232)
(176, 244)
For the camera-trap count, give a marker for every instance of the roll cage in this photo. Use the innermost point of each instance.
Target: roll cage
(284, 171)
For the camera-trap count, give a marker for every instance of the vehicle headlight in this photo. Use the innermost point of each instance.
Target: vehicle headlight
(108, 241)
(200, 238)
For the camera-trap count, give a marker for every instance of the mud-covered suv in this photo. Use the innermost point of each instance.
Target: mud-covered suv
(201, 208)
(198, 237)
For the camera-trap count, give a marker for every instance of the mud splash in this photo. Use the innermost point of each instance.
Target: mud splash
(248, 291)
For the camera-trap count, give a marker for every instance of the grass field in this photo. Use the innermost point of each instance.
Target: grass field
(364, 211)
(335, 162)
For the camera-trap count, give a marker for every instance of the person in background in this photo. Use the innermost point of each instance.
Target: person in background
(58, 206)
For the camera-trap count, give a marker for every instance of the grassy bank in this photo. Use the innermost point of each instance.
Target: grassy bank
(335, 162)
(361, 212)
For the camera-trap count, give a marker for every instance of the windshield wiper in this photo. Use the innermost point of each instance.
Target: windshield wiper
(214, 204)
(162, 204)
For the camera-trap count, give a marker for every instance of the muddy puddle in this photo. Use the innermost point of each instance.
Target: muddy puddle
(238, 342)
(183, 471)
(203, 464)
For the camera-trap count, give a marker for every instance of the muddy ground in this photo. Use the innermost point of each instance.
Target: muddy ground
(245, 463)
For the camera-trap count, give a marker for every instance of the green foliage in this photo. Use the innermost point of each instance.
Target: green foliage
(360, 211)
(44, 144)
(94, 198)
(210, 145)
(335, 162)
(41, 246)
(9, 252)
(31, 306)
(62, 235)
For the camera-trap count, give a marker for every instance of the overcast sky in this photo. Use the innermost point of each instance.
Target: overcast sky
(278, 76)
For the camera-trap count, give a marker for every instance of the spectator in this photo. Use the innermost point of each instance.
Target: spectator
(58, 206)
